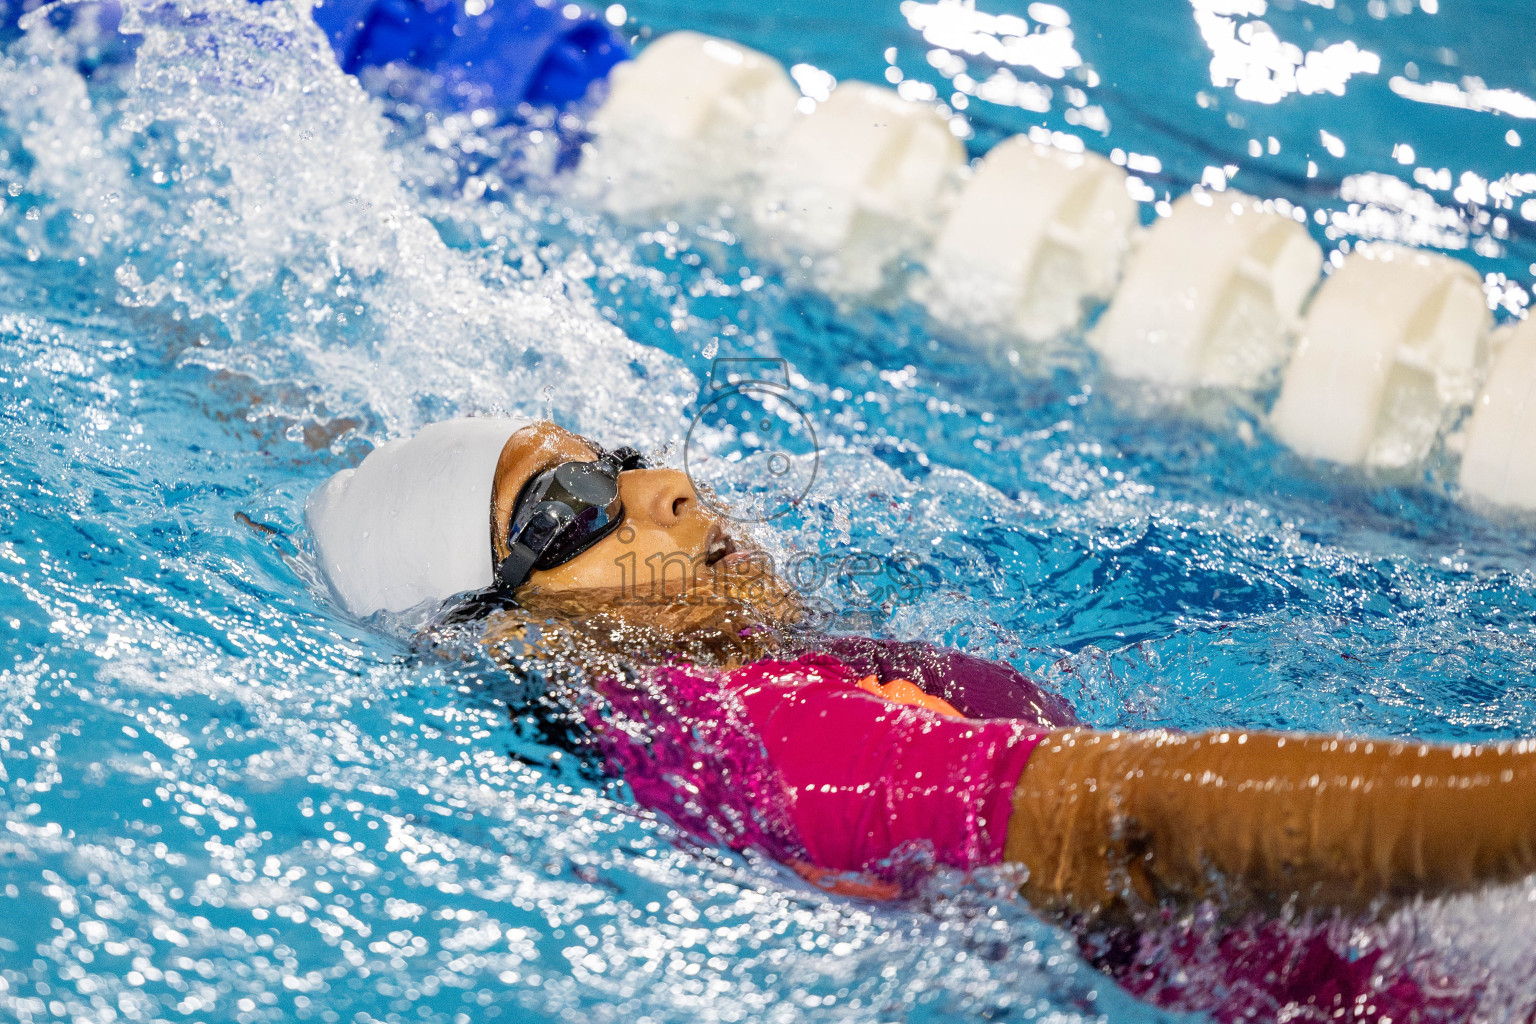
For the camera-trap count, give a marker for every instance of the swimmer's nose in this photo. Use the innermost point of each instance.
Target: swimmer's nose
(665, 495)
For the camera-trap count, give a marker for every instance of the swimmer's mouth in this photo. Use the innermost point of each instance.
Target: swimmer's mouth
(721, 546)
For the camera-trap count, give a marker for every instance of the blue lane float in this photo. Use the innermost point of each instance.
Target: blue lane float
(500, 56)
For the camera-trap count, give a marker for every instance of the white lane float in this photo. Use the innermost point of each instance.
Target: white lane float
(1211, 295)
(1391, 348)
(1036, 235)
(853, 186)
(686, 121)
(1389, 355)
(1498, 458)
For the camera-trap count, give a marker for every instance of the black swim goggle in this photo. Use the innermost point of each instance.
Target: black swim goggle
(561, 512)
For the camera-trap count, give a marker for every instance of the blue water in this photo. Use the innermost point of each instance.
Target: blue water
(225, 273)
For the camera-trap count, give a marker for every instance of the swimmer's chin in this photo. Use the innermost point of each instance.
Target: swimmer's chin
(736, 583)
(729, 618)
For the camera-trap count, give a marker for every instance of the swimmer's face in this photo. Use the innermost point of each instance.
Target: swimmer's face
(666, 538)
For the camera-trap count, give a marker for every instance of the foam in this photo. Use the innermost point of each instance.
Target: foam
(291, 198)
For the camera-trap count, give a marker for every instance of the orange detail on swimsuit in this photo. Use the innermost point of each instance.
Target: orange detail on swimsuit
(859, 884)
(901, 691)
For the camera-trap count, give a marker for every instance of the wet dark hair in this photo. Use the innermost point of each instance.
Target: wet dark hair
(474, 607)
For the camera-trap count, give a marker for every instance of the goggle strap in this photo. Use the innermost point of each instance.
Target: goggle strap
(514, 570)
(627, 458)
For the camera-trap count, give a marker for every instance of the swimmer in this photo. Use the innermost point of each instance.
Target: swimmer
(867, 747)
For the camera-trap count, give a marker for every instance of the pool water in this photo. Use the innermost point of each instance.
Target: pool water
(225, 273)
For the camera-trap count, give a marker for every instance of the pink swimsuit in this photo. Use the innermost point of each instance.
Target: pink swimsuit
(794, 757)
(863, 777)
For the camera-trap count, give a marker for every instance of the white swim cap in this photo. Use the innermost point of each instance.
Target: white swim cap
(412, 523)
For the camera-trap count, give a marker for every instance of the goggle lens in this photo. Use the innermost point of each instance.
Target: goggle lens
(563, 511)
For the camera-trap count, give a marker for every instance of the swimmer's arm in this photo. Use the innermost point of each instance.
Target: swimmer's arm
(1264, 818)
